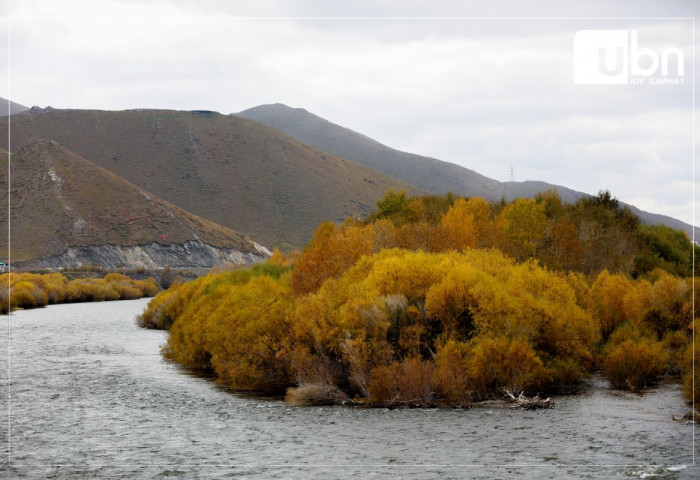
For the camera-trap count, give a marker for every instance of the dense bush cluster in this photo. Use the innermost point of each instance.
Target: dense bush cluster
(444, 300)
(30, 290)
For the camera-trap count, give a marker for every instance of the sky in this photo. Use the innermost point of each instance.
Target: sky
(486, 85)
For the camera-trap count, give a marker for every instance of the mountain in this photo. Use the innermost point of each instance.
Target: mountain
(230, 170)
(65, 210)
(13, 107)
(427, 173)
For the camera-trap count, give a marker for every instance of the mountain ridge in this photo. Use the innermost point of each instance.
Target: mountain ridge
(13, 107)
(429, 173)
(233, 171)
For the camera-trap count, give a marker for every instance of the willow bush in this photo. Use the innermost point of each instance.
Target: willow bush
(445, 300)
(31, 290)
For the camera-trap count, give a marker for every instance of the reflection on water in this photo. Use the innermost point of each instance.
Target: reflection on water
(91, 397)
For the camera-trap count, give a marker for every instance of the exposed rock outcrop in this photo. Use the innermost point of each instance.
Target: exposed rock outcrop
(191, 254)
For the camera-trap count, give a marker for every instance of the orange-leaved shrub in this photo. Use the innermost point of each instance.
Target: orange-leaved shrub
(477, 321)
(233, 323)
(632, 360)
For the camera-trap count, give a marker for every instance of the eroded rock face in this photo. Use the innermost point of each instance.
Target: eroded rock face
(191, 254)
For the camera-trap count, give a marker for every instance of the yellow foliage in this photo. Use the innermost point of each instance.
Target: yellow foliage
(162, 311)
(453, 300)
(331, 252)
(565, 373)
(668, 292)
(524, 224)
(498, 363)
(246, 331)
(399, 304)
(460, 226)
(452, 380)
(637, 302)
(634, 363)
(234, 323)
(282, 259)
(409, 274)
(606, 301)
(32, 290)
(675, 344)
(410, 308)
(418, 236)
(26, 294)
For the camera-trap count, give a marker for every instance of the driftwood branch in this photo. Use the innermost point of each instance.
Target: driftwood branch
(528, 403)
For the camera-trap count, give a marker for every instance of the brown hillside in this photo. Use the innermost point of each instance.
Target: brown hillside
(60, 199)
(233, 171)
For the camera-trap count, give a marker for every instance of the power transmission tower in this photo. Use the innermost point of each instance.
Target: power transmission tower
(512, 174)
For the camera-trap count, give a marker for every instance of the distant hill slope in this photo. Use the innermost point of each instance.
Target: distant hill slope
(233, 171)
(428, 173)
(61, 201)
(13, 107)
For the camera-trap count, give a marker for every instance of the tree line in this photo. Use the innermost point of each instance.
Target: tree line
(33, 290)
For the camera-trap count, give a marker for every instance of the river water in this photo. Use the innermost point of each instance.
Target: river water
(91, 397)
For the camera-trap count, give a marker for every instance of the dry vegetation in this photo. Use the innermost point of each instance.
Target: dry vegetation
(32, 290)
(443, 300)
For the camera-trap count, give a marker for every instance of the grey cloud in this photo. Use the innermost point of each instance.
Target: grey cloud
(482, 93)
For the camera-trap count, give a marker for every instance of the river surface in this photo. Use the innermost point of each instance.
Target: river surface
(91, 397)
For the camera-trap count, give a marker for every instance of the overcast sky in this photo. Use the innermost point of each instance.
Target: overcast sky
(486, 93)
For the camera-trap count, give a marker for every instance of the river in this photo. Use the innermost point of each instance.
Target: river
(91, 397)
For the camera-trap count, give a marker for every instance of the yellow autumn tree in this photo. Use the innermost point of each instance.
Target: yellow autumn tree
(606, 301)
(524, 224)
(331, 252)
(465, 224)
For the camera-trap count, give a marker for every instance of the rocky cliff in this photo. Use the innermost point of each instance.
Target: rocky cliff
(190, 254)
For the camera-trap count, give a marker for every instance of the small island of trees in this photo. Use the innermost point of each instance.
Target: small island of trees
(442, 300)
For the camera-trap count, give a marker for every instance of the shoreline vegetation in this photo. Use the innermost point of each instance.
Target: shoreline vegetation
(35, 290)
(446, 301)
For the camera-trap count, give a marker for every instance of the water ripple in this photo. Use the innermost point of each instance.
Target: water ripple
(92, 398)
